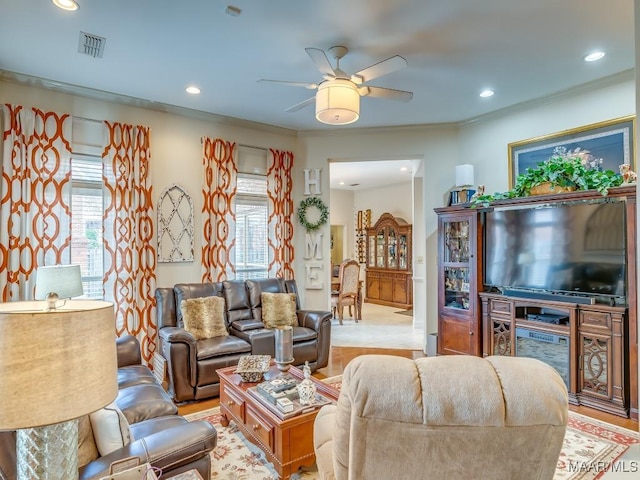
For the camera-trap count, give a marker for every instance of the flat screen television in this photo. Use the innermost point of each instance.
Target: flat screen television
(576, 249)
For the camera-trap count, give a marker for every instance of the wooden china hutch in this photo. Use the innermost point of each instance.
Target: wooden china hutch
(600, 340)
(389, 275)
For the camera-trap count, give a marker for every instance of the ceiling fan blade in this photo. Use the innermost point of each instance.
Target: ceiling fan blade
(300, 105)
(388, 93)
(384, 67)
(310, 86)
(322, 62)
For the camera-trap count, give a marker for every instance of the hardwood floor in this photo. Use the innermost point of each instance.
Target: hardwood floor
(340, 356)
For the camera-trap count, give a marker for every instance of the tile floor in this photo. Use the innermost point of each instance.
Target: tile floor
(380, 327)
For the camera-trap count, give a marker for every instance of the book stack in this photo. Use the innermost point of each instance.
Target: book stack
(280, 388)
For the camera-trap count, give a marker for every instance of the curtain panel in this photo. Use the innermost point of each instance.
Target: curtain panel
(280, 220)
(218, 211)
(130, 257)
(35, 201)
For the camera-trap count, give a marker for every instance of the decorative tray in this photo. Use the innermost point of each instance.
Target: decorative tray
(252, 367)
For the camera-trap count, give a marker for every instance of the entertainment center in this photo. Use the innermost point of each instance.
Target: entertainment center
(551, 277)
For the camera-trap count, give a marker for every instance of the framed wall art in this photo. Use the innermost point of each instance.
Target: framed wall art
(612, 141)
(175, 225)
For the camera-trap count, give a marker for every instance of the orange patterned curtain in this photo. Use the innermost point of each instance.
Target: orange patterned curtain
(35, 197)
(130, 257)
(218, 211)
(279, 186)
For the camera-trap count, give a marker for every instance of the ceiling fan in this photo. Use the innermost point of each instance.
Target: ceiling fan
(338, 96)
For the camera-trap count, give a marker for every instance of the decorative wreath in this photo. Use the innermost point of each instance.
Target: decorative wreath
(302, 213)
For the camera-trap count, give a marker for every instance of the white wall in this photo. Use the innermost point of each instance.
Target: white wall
(485, 143)
(175, 148)
(394, 199)
(341, 212)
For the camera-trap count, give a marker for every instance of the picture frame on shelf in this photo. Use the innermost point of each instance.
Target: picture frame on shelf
(611, 140)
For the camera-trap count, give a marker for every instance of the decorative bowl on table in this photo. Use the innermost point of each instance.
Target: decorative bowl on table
(252, 367)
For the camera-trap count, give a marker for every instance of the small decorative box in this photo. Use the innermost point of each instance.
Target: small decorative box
(252, 367)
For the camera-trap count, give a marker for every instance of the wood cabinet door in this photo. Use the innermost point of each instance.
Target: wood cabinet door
(400, 294)
(373, 286)
(455, 337)
(386, 287)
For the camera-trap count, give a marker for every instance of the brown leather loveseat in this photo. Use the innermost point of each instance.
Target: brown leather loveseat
(192, 364)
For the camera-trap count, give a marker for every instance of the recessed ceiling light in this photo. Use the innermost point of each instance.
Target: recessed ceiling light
(70, 5)
(341, 183)
(193, 90)
(592, 57)
(403, 169)
(487, 93)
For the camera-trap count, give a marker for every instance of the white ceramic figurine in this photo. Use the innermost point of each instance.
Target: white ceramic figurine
(306, 388)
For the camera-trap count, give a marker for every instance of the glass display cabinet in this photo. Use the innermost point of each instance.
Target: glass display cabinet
(459, 273)
(389, 273)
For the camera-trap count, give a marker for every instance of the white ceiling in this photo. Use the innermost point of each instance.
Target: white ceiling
(524, 50)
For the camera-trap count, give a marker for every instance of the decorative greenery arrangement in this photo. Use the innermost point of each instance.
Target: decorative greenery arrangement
(573, 170)
(302, 213)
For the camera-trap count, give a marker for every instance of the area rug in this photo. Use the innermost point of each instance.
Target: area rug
(590, 449)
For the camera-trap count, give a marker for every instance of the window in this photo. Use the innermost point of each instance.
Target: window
(86, 229)
(252, 257)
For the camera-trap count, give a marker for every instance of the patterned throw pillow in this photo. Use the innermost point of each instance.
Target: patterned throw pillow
(279, 309)
(204, 317)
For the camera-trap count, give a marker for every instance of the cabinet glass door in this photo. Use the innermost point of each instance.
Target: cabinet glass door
(391, 248)
(402, 251)
(456, 264)
(456, 247)
(372, 251)
(456, 287)
(380, 251)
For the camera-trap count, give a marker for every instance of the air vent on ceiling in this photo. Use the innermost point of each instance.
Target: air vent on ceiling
(91, 45)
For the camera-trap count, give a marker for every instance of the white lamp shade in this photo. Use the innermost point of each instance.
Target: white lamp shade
(464, 175)
(337, 102)
(65, 280)
(55, 365)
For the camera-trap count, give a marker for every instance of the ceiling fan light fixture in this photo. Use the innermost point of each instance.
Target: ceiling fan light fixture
(69, 5)
(337, 102)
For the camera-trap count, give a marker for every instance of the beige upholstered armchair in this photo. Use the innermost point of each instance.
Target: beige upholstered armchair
(347, 294)
(453, 417)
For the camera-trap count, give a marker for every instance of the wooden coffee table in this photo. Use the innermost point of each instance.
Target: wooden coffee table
(288, 444)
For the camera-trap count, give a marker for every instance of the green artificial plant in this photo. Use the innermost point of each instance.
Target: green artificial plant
(573, 169)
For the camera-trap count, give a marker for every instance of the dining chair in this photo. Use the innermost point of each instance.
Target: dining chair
(347, 294)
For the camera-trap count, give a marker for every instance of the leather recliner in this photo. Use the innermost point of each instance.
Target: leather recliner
(161, 437)
(192, 364)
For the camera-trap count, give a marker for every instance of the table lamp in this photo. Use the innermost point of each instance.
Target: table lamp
(58, 282)
(55, 366)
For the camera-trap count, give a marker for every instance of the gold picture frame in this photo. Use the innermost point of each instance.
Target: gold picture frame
(612, 140)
